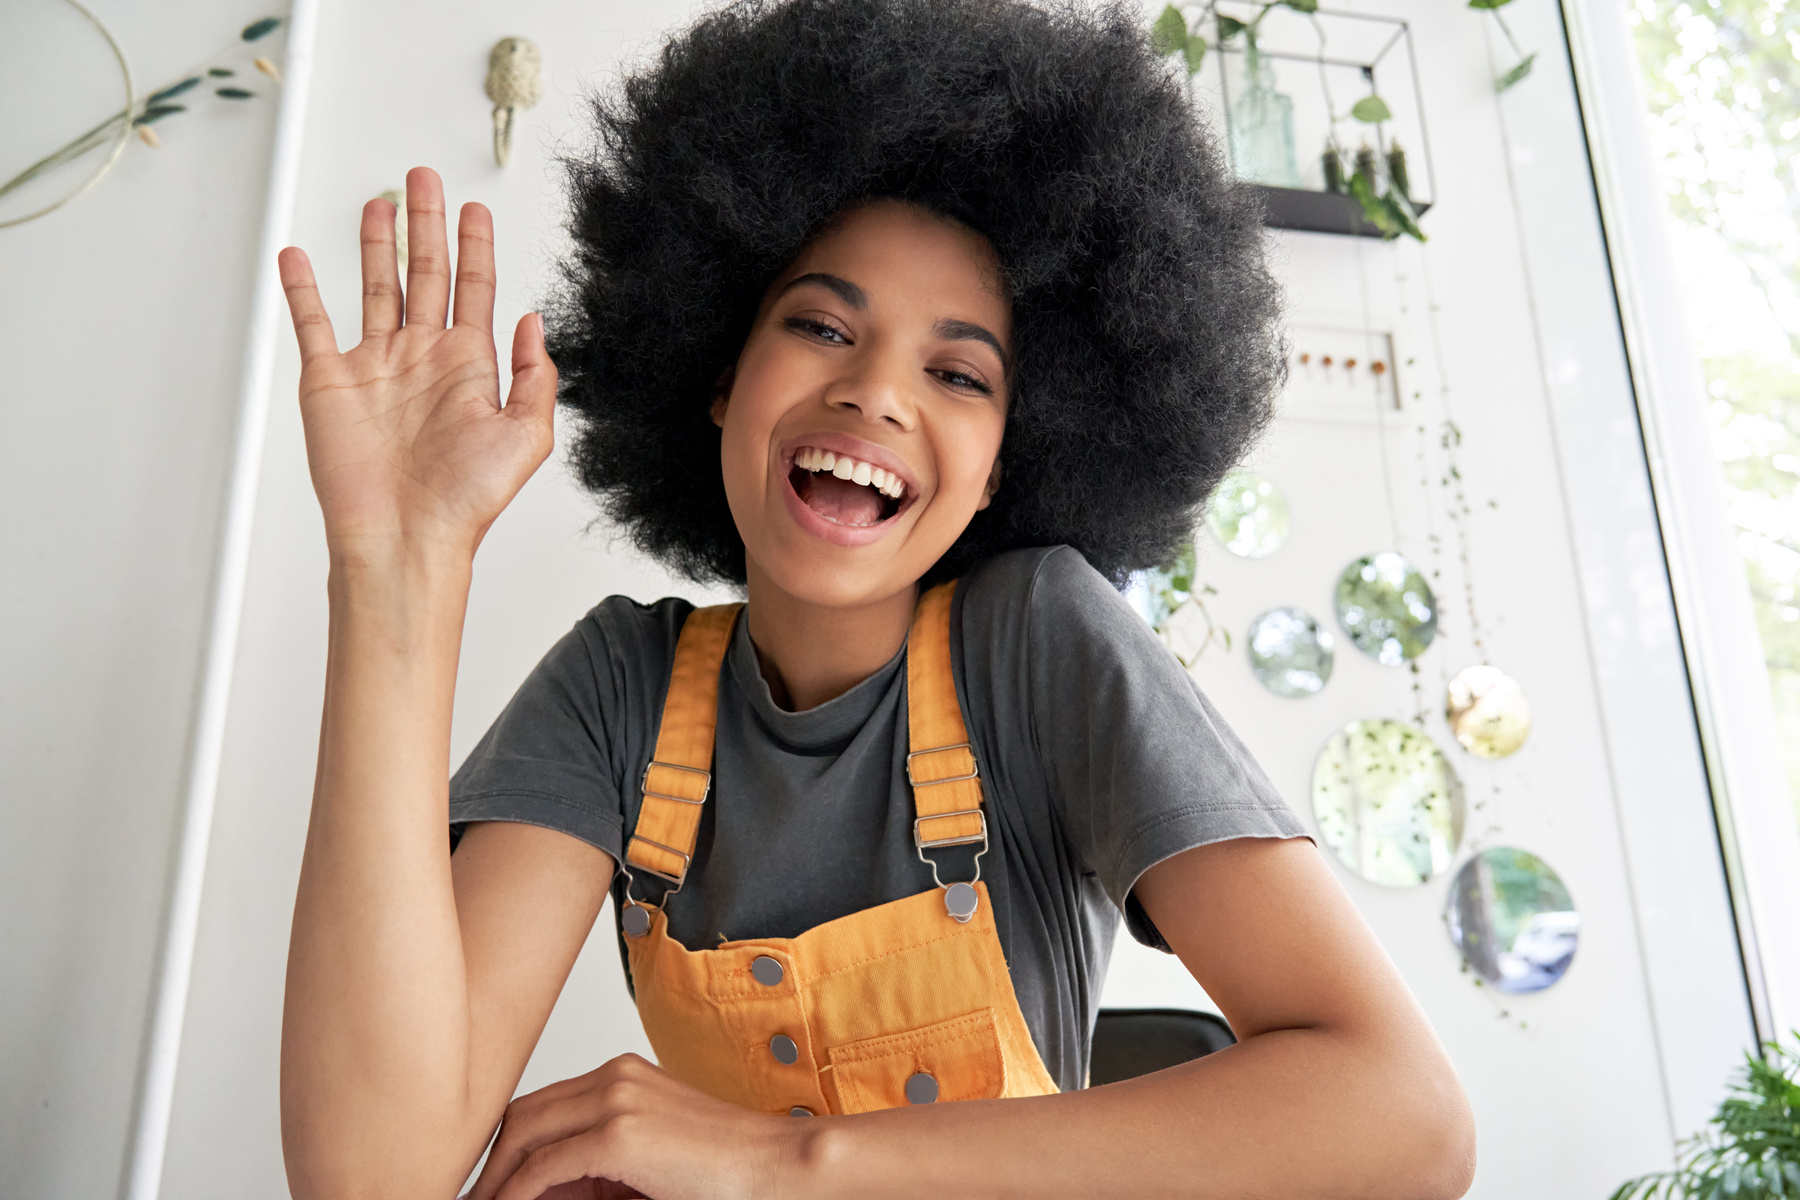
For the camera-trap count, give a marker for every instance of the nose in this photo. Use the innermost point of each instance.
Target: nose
(878, 386)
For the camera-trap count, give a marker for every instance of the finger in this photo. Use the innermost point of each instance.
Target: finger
(561, 1162)
(524, 1131)
(532, 398)
(427, 250)
(380, 271)
(475, 268)
(312, 327)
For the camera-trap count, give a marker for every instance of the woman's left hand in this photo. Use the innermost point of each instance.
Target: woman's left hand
(631, 1129)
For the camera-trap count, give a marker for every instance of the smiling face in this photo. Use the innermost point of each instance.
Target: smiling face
(863, 420)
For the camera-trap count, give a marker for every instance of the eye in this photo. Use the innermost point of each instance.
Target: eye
(963, 381)
(831, 335)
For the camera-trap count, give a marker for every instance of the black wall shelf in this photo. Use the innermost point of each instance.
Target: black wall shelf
(1318, 212)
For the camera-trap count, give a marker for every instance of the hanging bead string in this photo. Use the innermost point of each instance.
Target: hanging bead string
(1452, 480)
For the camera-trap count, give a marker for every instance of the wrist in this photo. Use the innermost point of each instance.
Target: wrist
(821, 1157)
(428, 561)
(407, 593)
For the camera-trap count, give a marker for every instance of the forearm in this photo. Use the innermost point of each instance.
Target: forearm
(1292, 1114)
(376, 1033)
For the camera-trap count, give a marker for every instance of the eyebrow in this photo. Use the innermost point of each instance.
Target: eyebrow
(968, 331)
(848, 292)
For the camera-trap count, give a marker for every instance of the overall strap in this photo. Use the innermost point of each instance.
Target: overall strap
(941, 767)
(678, 779)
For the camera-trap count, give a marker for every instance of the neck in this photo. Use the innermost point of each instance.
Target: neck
(809, 653)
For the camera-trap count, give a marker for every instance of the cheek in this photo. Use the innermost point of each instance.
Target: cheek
(970, 451)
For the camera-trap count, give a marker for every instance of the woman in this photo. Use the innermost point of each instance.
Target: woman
(922, 320)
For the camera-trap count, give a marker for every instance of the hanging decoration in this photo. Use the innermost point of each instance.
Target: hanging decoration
(515, 80)
(1387, 802)
(1290, 77)
(140, 115)
(1386, 608)
(402, 247)
(1512, 920)
(1290, 652)
(1487, 711)
(1248, 514)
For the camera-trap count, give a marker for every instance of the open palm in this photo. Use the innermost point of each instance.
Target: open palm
(406, 435)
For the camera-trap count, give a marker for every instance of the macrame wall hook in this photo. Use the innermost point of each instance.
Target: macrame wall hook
(515, 80)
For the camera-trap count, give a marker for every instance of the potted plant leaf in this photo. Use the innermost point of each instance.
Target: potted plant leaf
(1751, 1149)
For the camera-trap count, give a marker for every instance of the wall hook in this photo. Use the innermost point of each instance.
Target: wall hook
(515, 80)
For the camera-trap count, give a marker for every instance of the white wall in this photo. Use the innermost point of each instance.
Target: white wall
(539, 570)
(1567, 1105)
(121, 335)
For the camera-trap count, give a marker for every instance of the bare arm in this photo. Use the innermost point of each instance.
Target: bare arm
(1337, 1087)
(416, 988)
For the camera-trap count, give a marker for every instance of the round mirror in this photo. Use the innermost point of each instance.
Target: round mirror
(1248, 514)
(1512, 919)
(1386, 608)
(1387, 802)
(1487, 711)
(1160, 592)
(1290, 654)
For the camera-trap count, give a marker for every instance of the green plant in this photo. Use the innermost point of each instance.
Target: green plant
(156, 106)
(1520, 69)
(1169, 34)
(1751, 1151)
(1391, 212)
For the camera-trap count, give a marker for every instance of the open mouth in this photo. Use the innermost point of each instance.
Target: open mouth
(846, 491)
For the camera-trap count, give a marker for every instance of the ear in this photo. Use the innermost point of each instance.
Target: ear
(993, 485)
(722, 394)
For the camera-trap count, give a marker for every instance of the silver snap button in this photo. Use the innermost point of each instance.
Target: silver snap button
(636, 920)
(767, 971)
(961, 900)
(921, 1089)
(800, 1110)
(783, 1048)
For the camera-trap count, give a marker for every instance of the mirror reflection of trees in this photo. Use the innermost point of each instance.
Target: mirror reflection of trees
(1387, 802)
(1723, 86)
(1512, 919)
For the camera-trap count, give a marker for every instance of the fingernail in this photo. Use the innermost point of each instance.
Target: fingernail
(540, 321)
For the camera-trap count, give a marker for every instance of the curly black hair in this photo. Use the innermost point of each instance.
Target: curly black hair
(1147, 352)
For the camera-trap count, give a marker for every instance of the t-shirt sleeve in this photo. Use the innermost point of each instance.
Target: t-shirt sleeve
(554, 756)
(1141, 766)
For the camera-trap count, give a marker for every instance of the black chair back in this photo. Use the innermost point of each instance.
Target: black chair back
(1129, 1042)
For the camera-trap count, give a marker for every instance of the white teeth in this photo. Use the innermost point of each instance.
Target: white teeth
(811, 458)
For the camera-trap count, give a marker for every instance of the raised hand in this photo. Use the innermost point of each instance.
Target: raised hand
(406, 437)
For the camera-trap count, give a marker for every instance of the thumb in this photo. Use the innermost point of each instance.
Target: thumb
(533, 395)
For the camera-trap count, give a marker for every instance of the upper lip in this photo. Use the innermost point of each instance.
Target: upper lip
(843, 443)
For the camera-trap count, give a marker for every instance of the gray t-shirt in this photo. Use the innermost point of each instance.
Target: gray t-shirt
(1099, 759)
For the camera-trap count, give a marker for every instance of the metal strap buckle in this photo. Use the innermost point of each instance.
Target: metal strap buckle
(974, 767)
(677, 880)
(964, 840)
(980, 839)
(644, 783)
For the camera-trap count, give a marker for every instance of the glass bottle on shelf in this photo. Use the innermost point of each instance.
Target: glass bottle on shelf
(1262, 127)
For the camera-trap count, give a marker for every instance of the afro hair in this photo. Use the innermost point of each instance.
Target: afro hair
(1145, 321)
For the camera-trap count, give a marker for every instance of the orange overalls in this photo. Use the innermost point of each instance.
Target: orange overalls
(907, 1002)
